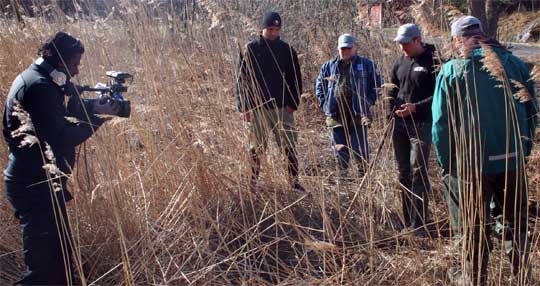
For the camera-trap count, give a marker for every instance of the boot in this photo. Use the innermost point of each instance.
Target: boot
(292, 168)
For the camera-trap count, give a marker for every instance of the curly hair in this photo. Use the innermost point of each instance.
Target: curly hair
(60, 48)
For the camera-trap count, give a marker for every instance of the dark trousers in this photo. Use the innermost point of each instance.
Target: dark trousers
(47, 244)
(412, 144)
(469, 207)
(347, 142)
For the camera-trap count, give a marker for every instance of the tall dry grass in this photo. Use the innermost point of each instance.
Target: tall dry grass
(162, 198)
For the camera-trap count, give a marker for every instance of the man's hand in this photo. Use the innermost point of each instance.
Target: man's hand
(365, 121)
(289, 109)
(405, 110)
(246, 116)
(109, 107)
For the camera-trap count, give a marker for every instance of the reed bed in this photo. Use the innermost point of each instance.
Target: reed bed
(162, 198)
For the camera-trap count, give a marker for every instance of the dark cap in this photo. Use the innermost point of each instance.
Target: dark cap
(466, 26)
(59, 47)
(271, 19)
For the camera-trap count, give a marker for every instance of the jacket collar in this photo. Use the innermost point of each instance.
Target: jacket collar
(355, 59)
(263, 41)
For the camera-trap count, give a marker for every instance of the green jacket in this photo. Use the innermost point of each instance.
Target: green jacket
(479, 125)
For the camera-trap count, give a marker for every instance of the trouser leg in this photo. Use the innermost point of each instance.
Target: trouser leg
(513, 201)
(402, 153)
(468, 205)
(451, 190)
(286, 136)
(292, 164)
(420, 144)
(47, 241)
(359, 146)
(259, 128)
(340, 147)
(255, 164)
(477, 226)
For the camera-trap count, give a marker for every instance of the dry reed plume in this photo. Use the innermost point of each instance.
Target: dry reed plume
(162, 198)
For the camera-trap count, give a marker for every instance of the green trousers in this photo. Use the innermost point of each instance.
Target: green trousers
(280, 123)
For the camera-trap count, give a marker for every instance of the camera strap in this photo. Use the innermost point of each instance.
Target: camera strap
(58, 77)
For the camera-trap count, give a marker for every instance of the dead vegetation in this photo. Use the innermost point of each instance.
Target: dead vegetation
(162, 198)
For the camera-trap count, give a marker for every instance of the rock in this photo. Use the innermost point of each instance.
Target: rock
(531, 33)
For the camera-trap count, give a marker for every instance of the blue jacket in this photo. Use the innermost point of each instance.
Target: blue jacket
(367, 79)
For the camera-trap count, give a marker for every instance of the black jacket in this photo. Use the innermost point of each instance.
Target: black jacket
(43, 100)
(269, 76)
(415, 81)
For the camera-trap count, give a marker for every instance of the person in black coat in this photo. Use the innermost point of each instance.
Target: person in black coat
(409, 102)
(269, 88)
(41, 140)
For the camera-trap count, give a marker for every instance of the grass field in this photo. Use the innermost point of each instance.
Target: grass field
(162, 198)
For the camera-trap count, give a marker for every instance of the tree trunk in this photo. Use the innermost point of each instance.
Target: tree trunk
(477, 9)
(488, 13)
(493, 10)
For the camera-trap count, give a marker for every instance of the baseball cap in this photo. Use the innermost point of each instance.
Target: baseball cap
(346, 41)
(406, 33)
(466, 26)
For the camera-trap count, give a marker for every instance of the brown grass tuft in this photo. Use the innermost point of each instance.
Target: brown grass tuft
(522, 94)
(492, 64)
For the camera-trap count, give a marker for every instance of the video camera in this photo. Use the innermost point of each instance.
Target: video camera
(113, 91)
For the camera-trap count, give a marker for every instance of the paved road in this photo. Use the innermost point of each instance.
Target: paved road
(524, 50)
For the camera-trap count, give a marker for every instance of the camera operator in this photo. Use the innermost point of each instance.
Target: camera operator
(36, 121)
